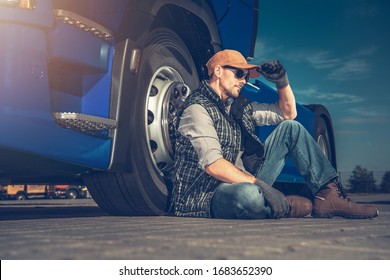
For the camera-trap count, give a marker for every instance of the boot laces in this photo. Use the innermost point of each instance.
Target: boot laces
(340, 191)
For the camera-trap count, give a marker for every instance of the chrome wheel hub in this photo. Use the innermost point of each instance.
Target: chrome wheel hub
(167, 93)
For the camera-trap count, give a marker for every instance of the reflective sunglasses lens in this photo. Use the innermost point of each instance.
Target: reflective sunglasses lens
(240, 73)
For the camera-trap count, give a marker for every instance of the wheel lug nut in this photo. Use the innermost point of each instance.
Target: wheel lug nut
(184, 90)
(171, 108)
(176, 93)
(153, 91)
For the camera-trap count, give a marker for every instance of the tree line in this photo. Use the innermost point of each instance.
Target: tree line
(362, 180)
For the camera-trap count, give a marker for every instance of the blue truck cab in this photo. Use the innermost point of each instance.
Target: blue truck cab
(89, 90)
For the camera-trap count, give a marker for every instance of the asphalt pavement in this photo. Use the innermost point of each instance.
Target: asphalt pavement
(78, 229)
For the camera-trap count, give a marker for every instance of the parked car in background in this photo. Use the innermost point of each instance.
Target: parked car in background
(89, 91)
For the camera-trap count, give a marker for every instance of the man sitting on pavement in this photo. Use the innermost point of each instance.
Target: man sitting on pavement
(223, 170)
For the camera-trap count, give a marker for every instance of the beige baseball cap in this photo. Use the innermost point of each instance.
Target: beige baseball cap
(231, 58)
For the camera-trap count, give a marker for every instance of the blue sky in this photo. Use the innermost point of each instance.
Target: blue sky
(336, 53)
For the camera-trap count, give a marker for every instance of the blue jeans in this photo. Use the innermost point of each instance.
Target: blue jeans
(290, 138)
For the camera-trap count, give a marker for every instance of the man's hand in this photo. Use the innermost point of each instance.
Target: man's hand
(276, 200)
(274, 72)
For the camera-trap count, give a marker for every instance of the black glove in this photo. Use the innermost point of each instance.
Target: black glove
(276, 200)
(274, 72)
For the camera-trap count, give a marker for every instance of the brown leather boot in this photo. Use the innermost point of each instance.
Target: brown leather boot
(332, 201)
(299, 206)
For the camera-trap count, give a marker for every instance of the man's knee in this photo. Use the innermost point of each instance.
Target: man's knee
(250, 198)
(292, 124)
(242, 201)
(292, 128)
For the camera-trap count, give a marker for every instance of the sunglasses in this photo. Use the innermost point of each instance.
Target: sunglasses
(238, 73)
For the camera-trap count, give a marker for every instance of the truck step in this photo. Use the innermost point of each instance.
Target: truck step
(84, 24)
(88, 124)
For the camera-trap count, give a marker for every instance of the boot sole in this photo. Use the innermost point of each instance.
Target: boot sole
(318, 214)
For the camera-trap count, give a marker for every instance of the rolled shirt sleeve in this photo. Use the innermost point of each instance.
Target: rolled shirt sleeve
(197, 125)
(266, 114)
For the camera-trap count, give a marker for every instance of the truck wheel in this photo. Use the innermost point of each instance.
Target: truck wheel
(72, 194)
(166, 74)
(324, 134)
(20, 196)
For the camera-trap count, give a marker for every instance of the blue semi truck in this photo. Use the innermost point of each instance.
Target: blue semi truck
(89, 91)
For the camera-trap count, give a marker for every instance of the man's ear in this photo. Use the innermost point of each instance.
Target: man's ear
(218, 71)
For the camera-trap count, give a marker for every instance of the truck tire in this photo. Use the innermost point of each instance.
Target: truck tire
(324, 134)
(72, 194)
(20, 196)
(166, 75)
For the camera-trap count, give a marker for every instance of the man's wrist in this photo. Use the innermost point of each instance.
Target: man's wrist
(282, 82)
(261, 183)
